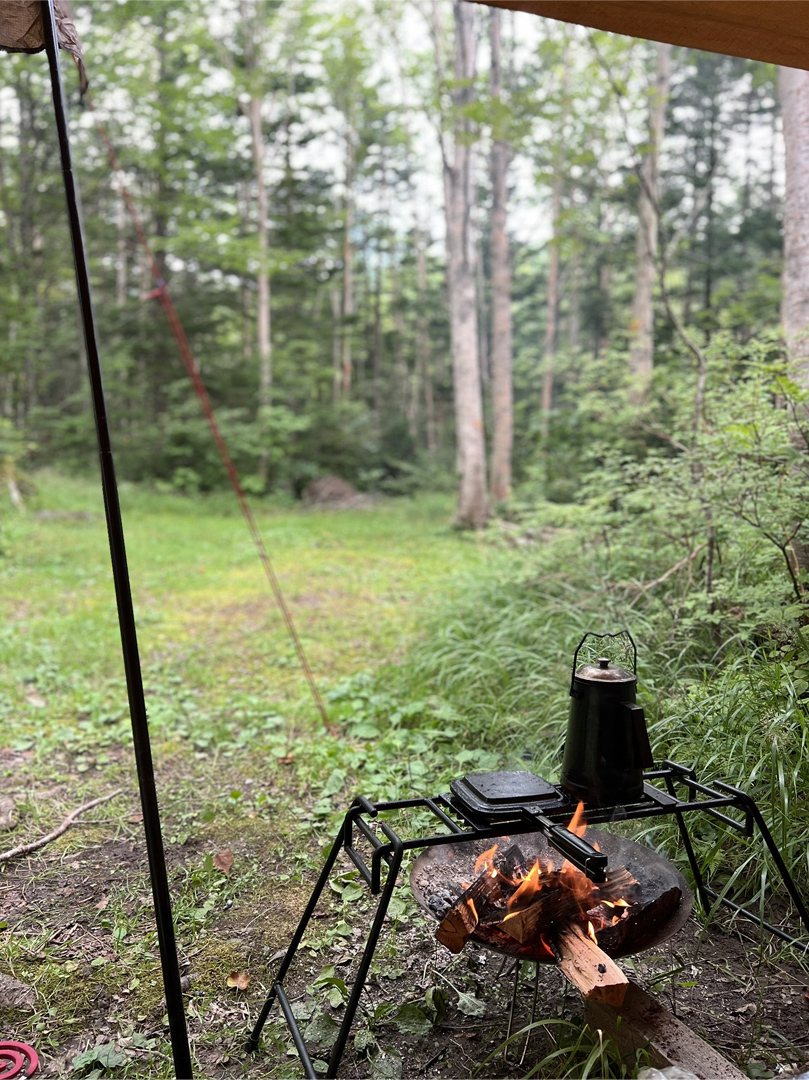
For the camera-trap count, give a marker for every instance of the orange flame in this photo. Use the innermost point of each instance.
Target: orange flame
(577, 823)
(529, 885)
(591, 933)
(484, 861)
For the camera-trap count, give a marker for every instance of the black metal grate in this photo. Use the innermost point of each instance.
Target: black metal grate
(473, 811)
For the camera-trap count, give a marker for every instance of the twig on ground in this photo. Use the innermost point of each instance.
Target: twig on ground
(34, 845)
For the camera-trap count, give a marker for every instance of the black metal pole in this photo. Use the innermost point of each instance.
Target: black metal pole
(123, 592)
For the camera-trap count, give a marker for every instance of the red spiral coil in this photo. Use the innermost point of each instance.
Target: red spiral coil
(17, 1059)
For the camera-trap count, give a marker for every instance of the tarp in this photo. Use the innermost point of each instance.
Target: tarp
(21, 30)
(772, 30)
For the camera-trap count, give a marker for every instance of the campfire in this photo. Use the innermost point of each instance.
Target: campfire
(523, 898)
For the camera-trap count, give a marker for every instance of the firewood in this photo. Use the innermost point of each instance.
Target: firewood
(643, 1024)
(479, 901)
(553, 906)
(589, 968)
(512, 863)
(641, 923)
(620, 885)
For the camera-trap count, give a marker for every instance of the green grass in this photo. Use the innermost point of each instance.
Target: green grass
(241, 758)
(359, 585)
(437, 653)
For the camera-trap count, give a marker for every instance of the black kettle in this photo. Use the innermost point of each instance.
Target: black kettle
(607, 744)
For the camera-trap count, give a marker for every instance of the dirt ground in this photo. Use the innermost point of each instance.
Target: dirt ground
(75, 925)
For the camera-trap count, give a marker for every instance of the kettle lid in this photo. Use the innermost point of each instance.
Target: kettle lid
(603, 670)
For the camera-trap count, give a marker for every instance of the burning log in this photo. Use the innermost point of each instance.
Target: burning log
(589, 968)
(555, 905)
(646, 918)
(479, 903)
(542, 910)
(525, 904)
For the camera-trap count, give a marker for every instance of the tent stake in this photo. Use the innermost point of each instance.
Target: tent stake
(123, 593)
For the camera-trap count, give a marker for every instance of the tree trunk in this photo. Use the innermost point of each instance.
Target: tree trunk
(120, 266)
(348, 268)
(473, 502)
(263, 340)
(793, 85)
(423, 341)
(641, 347)
(794, 90)
(334, 297)
(501, 354)
(552, 301)
(376, 352)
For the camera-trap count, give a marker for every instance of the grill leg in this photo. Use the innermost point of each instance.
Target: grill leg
(252, 1042)
(751, 807)
(365, 962)
(704, 895)
(510, 1028)
(533, 1013)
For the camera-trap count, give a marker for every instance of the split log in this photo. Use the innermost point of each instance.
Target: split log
(620, 885)
(589, 968)
(556, 904)
(483, 900)
(512, 863)
(642, 1023)
(553, 906)
(641, 924)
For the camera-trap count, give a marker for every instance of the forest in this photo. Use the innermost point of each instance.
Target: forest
(533, 300)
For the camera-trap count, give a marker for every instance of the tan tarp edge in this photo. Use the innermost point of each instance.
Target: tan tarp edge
(21, 30)
(773, 30)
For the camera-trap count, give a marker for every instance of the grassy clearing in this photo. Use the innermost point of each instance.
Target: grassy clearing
(438, 654)
(242, 764)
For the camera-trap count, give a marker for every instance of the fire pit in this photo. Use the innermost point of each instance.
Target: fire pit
(520, 897)
(516, 865)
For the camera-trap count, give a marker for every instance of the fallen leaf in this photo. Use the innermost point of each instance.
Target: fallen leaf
(469, 1005)
(102, 903)
(745, 1010)
(286, 760)
(16, 995)
(238, 979)
(8, 814)
(136, 819)
(35, 699)
(224, 861)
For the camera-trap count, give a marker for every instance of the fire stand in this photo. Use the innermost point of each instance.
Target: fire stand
(488, 805)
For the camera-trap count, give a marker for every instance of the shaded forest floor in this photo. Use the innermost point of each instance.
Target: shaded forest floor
(244, 771)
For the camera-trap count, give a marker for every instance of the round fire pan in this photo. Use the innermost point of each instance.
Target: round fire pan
(440, 871)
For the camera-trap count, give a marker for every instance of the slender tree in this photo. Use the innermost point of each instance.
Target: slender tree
(456, 138)
(557, 186)
(794, 90)
(641, 348)
(254, 38)
(501, 351)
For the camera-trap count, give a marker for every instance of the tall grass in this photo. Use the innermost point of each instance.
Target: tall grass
(501, 659)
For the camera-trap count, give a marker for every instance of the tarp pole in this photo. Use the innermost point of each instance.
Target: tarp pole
(126, 614)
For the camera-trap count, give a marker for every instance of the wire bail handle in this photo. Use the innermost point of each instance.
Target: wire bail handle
(602, 637)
